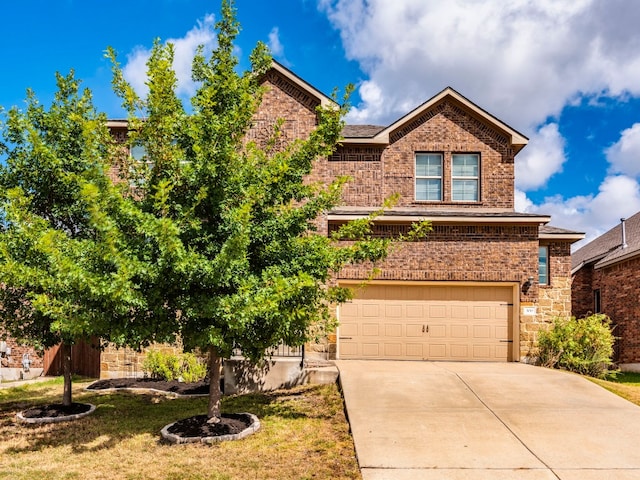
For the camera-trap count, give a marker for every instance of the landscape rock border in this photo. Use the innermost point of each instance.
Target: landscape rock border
(141, 390)
(253, 427)
(65, 418)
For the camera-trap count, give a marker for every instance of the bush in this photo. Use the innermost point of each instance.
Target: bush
(583, 345)
(184, 367)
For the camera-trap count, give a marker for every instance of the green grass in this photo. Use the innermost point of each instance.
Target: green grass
(304, 435)
(624, 384)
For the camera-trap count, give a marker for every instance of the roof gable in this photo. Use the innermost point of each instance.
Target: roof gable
(302, 85)
(408, 122)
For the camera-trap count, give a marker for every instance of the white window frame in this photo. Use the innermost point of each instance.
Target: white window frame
(467, 178)
(428, 177)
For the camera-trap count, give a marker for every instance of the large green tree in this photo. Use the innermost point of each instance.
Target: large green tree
(253, 272)
(65, 268)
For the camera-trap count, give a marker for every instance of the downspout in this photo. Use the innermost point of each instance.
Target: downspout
(624, 232)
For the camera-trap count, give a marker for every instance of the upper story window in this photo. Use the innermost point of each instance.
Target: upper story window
(543, 265)
(465, 177)
(429, 176)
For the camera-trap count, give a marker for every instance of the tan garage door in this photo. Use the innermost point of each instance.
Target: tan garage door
(416, 322)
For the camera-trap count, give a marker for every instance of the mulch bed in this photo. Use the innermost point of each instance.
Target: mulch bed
(181, 388)
(230, 424)
(56, 410)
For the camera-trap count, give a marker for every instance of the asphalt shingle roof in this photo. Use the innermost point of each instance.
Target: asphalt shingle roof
(608, 246)
(361, 131)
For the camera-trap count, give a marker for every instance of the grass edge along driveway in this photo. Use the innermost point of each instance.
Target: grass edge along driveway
(304, 435)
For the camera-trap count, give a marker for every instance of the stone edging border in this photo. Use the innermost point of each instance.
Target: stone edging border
(254, 427)
(144, 390)
(65, 418)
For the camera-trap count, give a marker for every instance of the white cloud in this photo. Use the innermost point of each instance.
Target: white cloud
(624, 155)
(541, 159)
(617, 197)
(135, 70)
(276, 47)
(521, 60)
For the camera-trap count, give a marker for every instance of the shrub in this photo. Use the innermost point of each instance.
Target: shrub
(184, 367)
(583, 345)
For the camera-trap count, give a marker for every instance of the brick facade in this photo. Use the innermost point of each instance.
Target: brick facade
(465, 251)
(619, 286)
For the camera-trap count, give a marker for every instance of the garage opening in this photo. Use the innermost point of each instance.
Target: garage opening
(428, 322)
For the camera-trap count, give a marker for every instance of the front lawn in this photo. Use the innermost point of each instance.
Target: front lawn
(626, 385)
(304, 435)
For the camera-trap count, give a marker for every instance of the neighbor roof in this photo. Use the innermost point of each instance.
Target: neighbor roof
(607, 248)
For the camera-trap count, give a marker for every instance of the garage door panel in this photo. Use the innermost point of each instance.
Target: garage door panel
(437, 351)
(349, 329)
(349, 349)
(482, 331)
(482, 352)
(349, 310)
(502, 351)
(393, 330)
(371, 350)
(370, 330)
(458, 351)
(459, 331)
(427, 322)
(393, 311)
(482, 312)
(393, 350)
(502, 333)
(460, 311)
(437, 331)
(370, 310)
(415, 330)
(415, 350)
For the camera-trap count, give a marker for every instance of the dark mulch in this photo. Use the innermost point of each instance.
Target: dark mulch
(182, 388)
(197, 426)
(55, 410)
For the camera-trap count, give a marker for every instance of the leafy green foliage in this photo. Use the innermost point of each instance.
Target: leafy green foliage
(185, 367)
(246, 268)
(583, 345)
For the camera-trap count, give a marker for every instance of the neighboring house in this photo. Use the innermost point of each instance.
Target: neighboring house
(487, 278)
(606, 279)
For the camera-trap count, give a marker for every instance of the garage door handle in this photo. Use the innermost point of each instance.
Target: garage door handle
(425, 328)
(346, 338)
(507, 341)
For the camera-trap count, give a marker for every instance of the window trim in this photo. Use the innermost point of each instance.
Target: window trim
(546, 274)
(417, 177)
(476, 178)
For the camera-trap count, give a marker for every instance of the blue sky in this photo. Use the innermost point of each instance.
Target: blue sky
(565, 74)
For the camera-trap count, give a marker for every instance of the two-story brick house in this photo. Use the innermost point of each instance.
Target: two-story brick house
(485, 279)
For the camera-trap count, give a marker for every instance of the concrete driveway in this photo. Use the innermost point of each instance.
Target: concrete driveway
(442, 420)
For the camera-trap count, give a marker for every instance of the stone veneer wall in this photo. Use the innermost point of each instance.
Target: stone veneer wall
(127, 362)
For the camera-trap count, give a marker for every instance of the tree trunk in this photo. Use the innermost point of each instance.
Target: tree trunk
(213, 411)
(66, 371)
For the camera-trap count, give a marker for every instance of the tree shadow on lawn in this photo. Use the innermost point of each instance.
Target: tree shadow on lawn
(121, 415)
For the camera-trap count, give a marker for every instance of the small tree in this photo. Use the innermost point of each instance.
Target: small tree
(62, 269)
(257, 274)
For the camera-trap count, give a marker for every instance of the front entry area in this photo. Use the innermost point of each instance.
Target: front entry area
(428, 322)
